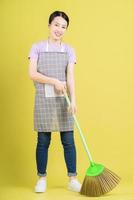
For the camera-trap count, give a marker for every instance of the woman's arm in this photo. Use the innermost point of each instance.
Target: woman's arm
(71, 86)
(38, 77)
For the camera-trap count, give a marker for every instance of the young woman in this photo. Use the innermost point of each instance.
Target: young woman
(51, 68)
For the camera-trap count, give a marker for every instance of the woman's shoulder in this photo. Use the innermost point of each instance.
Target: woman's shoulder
(39, 44)
(69, 49)
(67, 46)
(71, 52)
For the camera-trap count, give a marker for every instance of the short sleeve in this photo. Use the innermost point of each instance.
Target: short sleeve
(72, 55)
(33, 52)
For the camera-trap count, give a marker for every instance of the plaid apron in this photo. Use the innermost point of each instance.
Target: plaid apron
(50, 109)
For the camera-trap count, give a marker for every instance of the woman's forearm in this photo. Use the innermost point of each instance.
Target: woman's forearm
(38, 77)
(71, 84)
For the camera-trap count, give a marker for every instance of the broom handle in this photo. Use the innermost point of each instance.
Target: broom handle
(80, 133)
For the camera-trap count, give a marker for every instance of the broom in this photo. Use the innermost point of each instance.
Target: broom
(98, 180)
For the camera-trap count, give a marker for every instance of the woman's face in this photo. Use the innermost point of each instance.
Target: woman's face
(57, 28)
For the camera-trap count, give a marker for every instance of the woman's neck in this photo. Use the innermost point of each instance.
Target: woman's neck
(51, 40)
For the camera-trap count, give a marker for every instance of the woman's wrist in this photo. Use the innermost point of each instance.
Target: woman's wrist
(73, 100)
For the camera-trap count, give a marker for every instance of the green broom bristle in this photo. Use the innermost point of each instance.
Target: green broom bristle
(94, 186)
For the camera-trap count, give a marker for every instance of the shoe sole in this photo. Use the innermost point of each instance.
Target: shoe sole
(39, 191)
(72, 190)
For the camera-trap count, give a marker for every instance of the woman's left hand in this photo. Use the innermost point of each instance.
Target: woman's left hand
(72, 108)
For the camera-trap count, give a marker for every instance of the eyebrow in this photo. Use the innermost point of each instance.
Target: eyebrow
(61, 24)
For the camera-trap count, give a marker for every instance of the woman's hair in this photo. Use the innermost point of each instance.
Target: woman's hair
(58, 14)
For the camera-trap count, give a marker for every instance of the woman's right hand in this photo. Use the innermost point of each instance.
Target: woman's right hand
(60, 86)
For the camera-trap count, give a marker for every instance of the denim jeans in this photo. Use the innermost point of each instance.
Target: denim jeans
(43, 142)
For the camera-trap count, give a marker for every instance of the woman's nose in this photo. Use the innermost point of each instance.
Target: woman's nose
(60, 29)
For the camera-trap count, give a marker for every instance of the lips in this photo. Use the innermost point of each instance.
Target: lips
(57, 34)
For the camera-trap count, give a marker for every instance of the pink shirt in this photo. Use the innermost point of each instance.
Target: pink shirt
(41, 46)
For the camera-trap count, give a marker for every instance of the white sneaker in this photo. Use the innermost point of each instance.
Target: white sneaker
(41, 185)
(74, 185)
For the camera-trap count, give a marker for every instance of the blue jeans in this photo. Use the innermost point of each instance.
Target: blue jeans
(43, 142)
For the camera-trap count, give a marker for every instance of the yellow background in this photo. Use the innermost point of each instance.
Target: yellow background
(101, 33)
